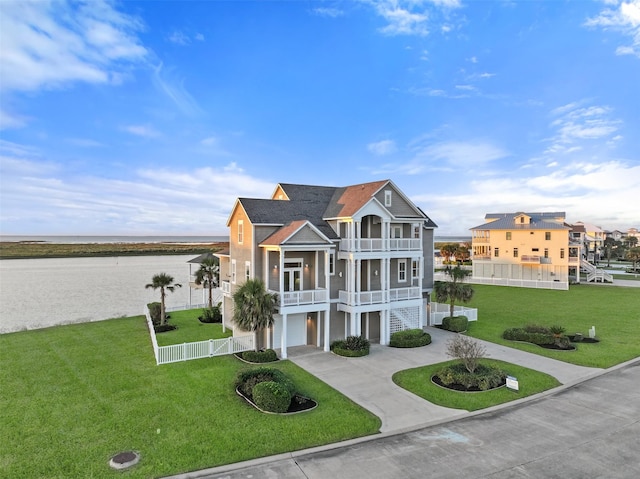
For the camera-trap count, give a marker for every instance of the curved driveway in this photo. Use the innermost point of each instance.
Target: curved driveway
(589, 427)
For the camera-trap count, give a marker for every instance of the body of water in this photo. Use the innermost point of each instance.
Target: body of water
(37, 293)
(69, 239)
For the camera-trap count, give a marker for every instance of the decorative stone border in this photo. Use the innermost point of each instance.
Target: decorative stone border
(124, 460)
(237, 356)
(466, 392)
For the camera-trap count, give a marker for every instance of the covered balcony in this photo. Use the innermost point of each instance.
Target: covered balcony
(379, 296)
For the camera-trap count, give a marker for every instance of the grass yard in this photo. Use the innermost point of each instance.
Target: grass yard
(418, 381)
(73, 396)
(190, 329)
(613, 310)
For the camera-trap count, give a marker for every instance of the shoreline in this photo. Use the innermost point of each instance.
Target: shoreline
(43, 250)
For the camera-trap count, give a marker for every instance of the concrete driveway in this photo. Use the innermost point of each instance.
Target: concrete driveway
(367, 380)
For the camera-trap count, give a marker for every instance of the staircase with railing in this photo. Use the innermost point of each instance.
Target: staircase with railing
(594, 274)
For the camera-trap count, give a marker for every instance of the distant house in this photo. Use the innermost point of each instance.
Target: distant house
(525, 249)
(354, 260)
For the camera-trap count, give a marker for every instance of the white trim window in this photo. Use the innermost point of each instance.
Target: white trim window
(396, 231)
(402, 270)
(247, 270)
(415, 269)
(416, 230)
(332, 263)
(387, 198)
(240, 231)
(233, 271)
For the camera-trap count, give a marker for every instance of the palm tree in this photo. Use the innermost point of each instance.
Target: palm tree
(454, 289)
(254, 307)
(163, 281)
(208, 274)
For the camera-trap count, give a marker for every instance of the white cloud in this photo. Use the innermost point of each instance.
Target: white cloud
(459, 154)
(52, 44)
(209, 141)
(179, 38)
(144, 131)
(10, 120)
(576, 124)
(328, 12)
(411, 17)
(624, 19)
(384, 147)
(603, 193)
(49, 198)
(166, 81)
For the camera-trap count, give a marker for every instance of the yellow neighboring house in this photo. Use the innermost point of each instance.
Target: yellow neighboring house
(525, 249)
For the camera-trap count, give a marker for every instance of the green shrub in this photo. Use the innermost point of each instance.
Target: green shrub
(557, 330)
(271, 396)
(409, 338)
(352, 346)
(163, 328)
(247, 379)
(536, 335)
(211, 315)
(154, 312)
(266, 356)
(483, 378)
(457, 324)
(536, 328)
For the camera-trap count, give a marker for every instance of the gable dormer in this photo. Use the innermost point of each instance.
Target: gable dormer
(522, 219)
(279, 194)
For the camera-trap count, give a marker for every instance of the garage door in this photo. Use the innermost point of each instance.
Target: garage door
(296, 330)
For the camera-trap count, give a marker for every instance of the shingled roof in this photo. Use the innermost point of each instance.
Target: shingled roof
(315, 204)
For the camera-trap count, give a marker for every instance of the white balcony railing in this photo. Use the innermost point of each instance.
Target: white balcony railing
(379, 244)
(306, 296)
(379, 296)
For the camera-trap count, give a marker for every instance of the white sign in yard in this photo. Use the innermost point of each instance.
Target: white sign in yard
(512, 383)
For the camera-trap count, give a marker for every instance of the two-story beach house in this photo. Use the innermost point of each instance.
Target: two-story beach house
(354, 260)
(525, 249)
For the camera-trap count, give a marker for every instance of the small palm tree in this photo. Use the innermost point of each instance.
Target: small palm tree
(254, 306)
(454, 289)
(163, 281)
(208, 274)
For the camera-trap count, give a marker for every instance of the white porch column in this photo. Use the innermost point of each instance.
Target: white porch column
(367, 328)
(383, 326)
(283, 339)
(352, 328)
(327, 330)
(358, 331)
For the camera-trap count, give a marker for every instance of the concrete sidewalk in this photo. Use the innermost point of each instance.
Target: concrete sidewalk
(367, 380)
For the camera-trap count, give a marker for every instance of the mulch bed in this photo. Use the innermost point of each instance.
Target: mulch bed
(298, 404)
(461, 387)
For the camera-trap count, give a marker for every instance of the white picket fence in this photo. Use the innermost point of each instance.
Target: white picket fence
(200, 349)
(439, 311)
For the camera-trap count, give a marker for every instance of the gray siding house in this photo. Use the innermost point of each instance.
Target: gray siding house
(354, 260)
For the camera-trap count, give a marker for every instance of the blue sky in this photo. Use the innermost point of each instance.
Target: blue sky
(152, 117)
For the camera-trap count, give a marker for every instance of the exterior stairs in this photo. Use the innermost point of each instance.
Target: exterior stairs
(594, 274)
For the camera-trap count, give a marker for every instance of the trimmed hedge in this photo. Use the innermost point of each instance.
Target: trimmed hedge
(353, 346)
(457, 324)
(409, 338)
(271, 396)
(484, 377)
(266, 356)
(538, 335)
(248, 379)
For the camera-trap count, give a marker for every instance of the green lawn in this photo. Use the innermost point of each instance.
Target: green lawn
(190, 329)
(613, 310)
(418, 381)
(72, 396)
